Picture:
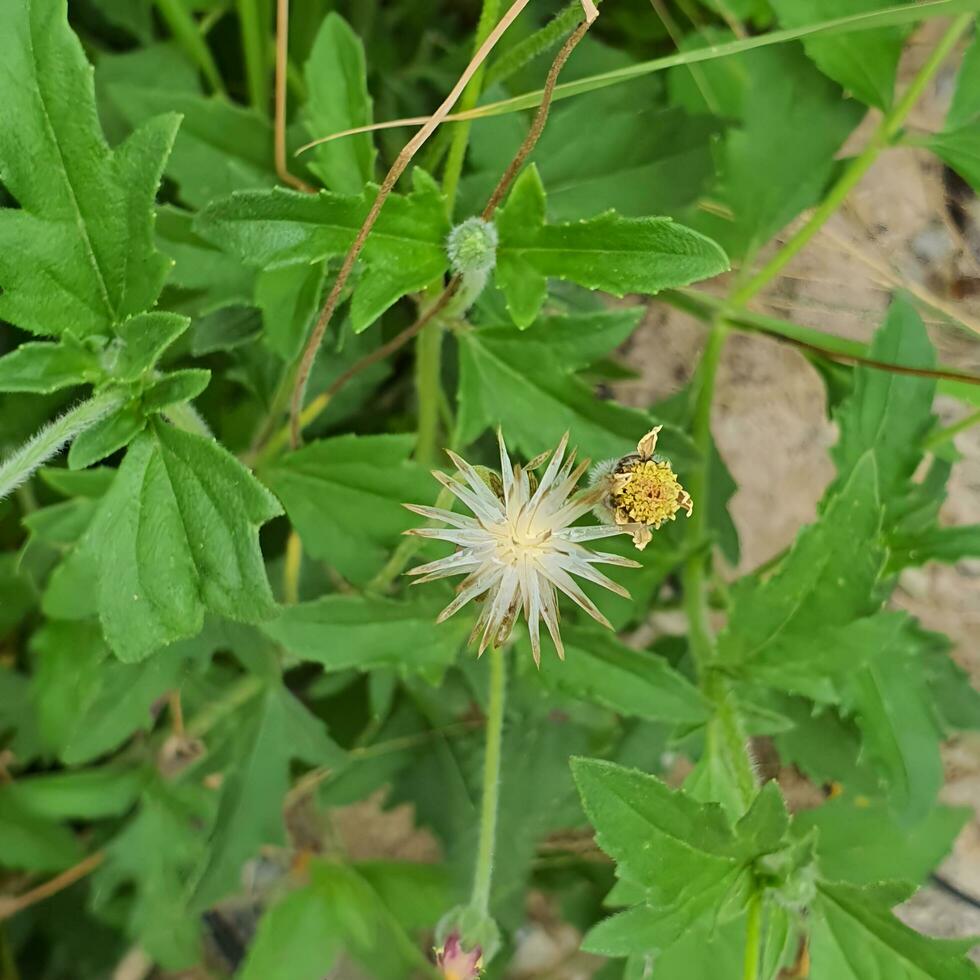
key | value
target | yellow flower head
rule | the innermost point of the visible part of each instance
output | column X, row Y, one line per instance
column 644, row 491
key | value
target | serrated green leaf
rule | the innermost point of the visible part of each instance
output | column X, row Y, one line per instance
column 634, row 683
column 890, row 700
column 889, row 414
column 167, row 550
column 404, row 252
column 107, row 436
column 144, row 339
column 683, row 854
column 343, row 632
column 345, row 495
column 250, row 809
column 611, row 253
column 959, row 142
column 854, row 936
column 788, row 625
column 79, row 253
column 525, row 384
column 864, row 63
column 43, row 367
column 175, row 388
column 862, row 843
column 154, row 856
column 87, row 703
column 338, row 99
column 220, row 147
column 780, row 158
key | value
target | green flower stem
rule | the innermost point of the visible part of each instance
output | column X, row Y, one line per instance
column 483, row 874
column 886, row 132
column 19, row 466
column 254, row 27
column 951, row 431
column 185, row 31
column 753, row 939
column 726, row 738
column 471, row 95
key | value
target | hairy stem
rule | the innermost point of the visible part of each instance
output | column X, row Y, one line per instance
column 428, row 387
column 886, row 132
column 483, row 874
column 21, row 464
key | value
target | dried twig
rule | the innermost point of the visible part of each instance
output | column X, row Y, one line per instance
column 11, row 905
column 391, row 178
column 279, row 130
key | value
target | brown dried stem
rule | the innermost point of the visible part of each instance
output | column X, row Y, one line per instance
column 279, row 128
column 10, row 906
column 387, row 186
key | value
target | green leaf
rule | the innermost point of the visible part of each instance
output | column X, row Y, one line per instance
column 178, row 534
column 154, row 857
column 891, row 703
column 959, row 142
column 343, row 632
column 862, row 843
column 79, row 253
column 781, row 157
column 945, row 544
column 144, row 339
column 272, row 732
column 854, row 936
column 955, row 700
column 403, row 254
column 338, row 99
column 683, row 855
column 175, row 388
column 44, row 367
column 889, row 414
column 634, row 683
column 344, row 496
column 29, row 842
column 107, row 436
column 524, row 383
column 864, row 63
column 88, row 703
column 288, row 297
column 220, row 148
column 615, row 254
column 225, row 329
column 797, row 627
column 86, row 795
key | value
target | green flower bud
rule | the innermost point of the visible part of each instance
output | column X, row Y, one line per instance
column 472, row 247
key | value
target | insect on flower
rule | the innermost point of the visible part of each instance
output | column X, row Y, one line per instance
column 643, row 491
column 519, row 548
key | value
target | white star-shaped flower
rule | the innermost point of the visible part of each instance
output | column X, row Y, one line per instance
column 518, row 550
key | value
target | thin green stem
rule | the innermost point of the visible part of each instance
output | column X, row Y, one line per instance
column 471, row 95
column 951, row 431
column 21, row 464
column 887, row 130
column 428, row 385
column 185, row 31
column 753, row 939
column 254, row 41
column 483, row 874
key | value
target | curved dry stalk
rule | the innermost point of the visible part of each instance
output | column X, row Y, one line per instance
column 279, row 130
column 391, row 178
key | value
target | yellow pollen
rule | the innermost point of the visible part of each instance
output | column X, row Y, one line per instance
column 650, row 493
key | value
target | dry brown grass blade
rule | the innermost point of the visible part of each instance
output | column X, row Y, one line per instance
column 391, row 178
column 279, row 129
